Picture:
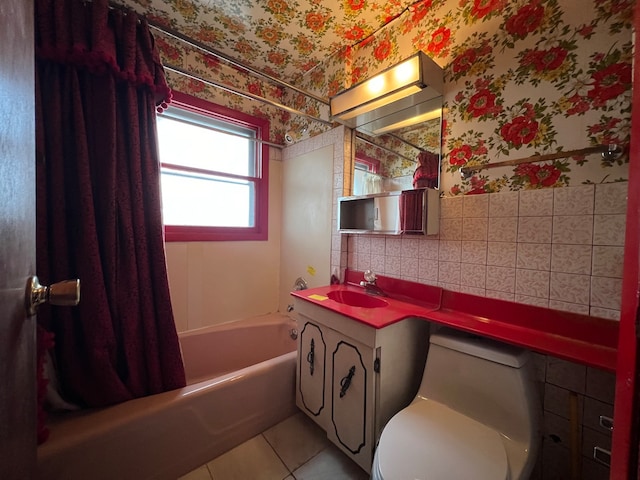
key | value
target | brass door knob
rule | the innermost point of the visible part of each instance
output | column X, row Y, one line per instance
column 65, row 293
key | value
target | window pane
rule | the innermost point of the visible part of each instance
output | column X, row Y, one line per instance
column 206, row 201
column 193, row 145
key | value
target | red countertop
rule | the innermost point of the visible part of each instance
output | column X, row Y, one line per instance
column 579, row 338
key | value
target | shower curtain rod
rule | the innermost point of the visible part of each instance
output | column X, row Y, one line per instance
column 384, row 148
column 194, row 43
column 397, row 137
column 609, row 152
column 250, row 96
column 226, row 132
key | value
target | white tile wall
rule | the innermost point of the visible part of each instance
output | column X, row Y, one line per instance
column 451, row 207
column 502, row 254
column 535, row 256
column 611, row 198
column 607, row 261
column 503, row 204
column 450, row 228
column 532, row 282
column 573, row 201
column 475, row 206
column 501, row 279
column 534, row 229
column 559, row 248
column 474, row 252
column 502, row 229
column 571, row 258
column 535, row 203
column 573, row 230
column 609, row 229
column 450, row 251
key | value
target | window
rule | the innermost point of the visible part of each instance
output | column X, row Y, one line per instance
column 366, row 175
column 214, row 172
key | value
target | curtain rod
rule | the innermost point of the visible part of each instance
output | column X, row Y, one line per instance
column 248, row 95
column 397, row 137
column 386, row 149
column 609, row 152
column 194, row 43
column 220, row 130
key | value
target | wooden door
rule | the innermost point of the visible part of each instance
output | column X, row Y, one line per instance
column 17, row 240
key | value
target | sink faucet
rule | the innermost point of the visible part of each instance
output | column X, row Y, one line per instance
column 369, row 284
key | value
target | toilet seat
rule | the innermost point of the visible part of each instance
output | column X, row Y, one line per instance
column 430, row 441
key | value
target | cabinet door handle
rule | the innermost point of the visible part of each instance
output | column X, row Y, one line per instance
column 606, row 423
column 602, row 456
column 311, row 356
column 345, row 383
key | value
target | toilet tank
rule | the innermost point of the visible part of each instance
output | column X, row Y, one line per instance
column 486, row 380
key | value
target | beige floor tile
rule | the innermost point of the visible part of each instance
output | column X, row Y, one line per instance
column 296, row 440
column 254, row 459
column 330, row 464
column 201, row 473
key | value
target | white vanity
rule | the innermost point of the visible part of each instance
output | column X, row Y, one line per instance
column 372, row 348
column 351, row 378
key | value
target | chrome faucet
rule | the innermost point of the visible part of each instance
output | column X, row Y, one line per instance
column 369, row 284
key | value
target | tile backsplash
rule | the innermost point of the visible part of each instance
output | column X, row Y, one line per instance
column 560, row 248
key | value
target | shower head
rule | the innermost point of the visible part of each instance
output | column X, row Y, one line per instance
column 295, row 134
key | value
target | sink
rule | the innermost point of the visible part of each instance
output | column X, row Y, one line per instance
column 356, row 299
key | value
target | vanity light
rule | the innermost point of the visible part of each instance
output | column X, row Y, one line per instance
column 425, row 117
column 390, row 85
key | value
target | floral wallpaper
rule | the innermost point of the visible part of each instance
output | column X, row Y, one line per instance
column 208, row 67
column 284, row 38
column 522, row 77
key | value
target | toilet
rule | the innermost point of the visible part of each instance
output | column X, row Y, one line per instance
column 476, row 415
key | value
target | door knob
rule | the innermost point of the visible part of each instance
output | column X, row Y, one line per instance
column 66, row 293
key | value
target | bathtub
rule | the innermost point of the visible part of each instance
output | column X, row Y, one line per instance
column 240, row 381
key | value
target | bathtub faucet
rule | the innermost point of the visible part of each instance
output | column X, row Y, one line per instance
column 369, row 284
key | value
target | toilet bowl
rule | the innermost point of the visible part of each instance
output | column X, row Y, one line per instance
column 476, row 416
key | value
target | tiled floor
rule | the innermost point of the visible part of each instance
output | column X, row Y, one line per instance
column 294, row 449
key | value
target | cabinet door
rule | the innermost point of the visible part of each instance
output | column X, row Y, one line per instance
column 351, row 390
column 311, row 381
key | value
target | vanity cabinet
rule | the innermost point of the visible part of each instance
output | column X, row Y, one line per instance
column 352, row 378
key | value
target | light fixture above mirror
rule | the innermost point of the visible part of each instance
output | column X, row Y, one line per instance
column 406, row 93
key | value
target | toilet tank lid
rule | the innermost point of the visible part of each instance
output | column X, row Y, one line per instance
column 481, row 347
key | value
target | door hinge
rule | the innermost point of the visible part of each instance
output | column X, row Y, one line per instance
column 376, row 365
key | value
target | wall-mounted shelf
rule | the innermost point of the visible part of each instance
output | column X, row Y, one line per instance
column 391, row 213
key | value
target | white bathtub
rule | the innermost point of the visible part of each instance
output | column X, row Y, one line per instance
column 241, row 381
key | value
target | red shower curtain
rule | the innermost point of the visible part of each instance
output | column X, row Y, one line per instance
column 98, row 82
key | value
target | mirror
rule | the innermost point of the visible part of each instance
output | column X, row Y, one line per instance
column 386, row 163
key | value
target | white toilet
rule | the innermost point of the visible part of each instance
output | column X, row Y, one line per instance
column 476, row 416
